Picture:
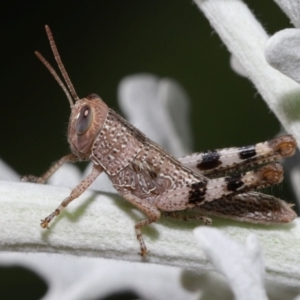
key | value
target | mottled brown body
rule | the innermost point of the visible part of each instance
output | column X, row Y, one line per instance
column 136, row 164
column 156, row 182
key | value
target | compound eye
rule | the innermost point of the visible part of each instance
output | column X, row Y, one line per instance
column 84, row 120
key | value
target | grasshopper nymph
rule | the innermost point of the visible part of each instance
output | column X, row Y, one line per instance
column 157, row 183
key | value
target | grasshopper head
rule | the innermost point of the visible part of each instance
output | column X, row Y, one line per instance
column 87, row 114
column 86, row 120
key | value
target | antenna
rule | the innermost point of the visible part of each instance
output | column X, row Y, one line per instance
column 55, row 75
column 60, row 64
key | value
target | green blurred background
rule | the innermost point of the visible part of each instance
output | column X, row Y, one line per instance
column 100, row 42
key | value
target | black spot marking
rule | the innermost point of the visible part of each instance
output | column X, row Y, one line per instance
column 247, row 152
column 234, row 182
column 135, row 167
column 153, row 174
column 197, row 192
column 210, row 160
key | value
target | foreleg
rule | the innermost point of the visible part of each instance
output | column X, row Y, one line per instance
column 42, row 179
column 76, row 192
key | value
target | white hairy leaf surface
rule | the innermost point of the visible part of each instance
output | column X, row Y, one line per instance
column 247, row 277
column 283, row 52
column 245, row 38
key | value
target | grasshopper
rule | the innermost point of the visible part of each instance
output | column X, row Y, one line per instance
column 158, row 184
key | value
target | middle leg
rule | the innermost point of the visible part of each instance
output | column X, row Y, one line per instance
column 147, row 208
